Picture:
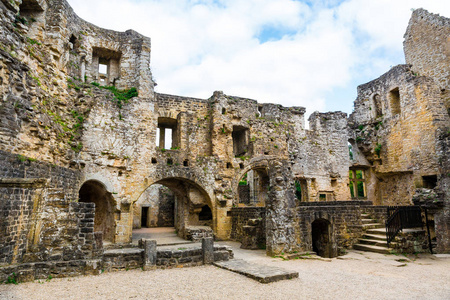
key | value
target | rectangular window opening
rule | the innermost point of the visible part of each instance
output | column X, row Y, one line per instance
column 429, row 182
column 394, row 96
column 102, row 69
column 357, row 184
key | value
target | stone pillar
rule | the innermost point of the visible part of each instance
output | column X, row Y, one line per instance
column 208, row 250
column 149, row 253
column 282, row 226
column 162, row 137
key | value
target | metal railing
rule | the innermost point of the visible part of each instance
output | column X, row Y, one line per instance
column 402, row 217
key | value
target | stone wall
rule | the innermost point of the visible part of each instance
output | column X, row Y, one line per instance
column 240, row 218
column 394, row 124
column 16, row 208
column 427, row 48
column 147, row 258
column 344, row 219
column 411, row 241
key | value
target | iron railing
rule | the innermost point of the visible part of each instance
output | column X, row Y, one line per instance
column 402, row 217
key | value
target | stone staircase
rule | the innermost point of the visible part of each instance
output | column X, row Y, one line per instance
column 374, row 238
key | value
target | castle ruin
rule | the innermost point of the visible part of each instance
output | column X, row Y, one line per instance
column 90, row 151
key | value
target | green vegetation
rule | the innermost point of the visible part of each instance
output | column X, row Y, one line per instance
column 23, row 158
column 350, row 152
column 12, row 279
column 378, row 125
column 298, row 190
column 120, row 96
column 33, row 42
column 378, row 149
column 243, row 181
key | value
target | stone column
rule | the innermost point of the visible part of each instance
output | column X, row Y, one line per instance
column 149, row 253
column 282, row 226
column 208, row 250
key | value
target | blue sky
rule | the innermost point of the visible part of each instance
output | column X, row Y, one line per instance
column 295, row 53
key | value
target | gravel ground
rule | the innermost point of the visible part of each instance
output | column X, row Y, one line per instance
column 357, row 275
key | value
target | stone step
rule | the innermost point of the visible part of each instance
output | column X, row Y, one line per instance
column 373, row 242
column 380, row 237
column 378, row 231
column 372, row 248
column 366, row 216
column 368, row 221
column 372, row 226
column 261, row 273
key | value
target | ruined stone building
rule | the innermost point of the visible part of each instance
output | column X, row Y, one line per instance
column 90, row 151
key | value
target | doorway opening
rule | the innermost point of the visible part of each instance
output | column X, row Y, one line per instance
column 95, row 192
column 144, row 216
column 321, row 241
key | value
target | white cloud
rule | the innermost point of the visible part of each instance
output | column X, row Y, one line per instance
column 199, row 46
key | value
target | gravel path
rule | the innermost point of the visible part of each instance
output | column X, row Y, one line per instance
column 357, row 275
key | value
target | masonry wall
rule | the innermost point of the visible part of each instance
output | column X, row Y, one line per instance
column 345, row 223
column 399, row 144
column 427, row 47
column 42, row 222
column 240, row 218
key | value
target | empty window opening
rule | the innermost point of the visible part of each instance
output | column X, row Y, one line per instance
column 394, row 96
column 266, row 153
column 144, row 216
column 325, row 196
column 105, row 66
column 154, row 161
column 240, row 140
column 350, row 151
column 253, row 188
column 378, row 106
column 333, row 182
column 30, row 5
column 229, row 165
column 298, row 190
column 169, row 161
column 205, row 214
column 186, row 163
column 224, row 111
column 301, row 190
column 73, row 43
column 241, row 165
column 259, row 112
column 103, row 69
column 357, row 183
column 429, row 182
column 167, row 133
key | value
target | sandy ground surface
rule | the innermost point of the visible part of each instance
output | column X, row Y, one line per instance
column 357, row 275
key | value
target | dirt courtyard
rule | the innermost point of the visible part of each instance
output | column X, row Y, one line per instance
column 356, row 275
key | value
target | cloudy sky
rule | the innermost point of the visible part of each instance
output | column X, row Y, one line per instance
column 295, row 53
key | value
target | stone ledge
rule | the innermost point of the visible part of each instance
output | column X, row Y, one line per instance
column 24, row 182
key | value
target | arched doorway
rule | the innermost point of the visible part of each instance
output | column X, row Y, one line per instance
column 154, row 208
column 321, row 237
column 95, row 192
column 172, row 202
column 253, row 188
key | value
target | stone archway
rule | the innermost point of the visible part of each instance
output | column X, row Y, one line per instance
column 321, row 237
column 192, row 205
column 95, row 192
column 253, row 186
